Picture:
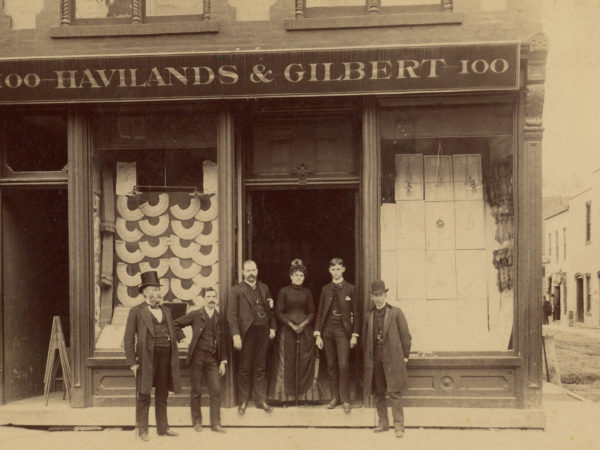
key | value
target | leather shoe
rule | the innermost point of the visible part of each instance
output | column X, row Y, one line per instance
column 144, row 436
column 380, row 429
column 347, row 408
column 198, row 427
column 242, row 408
column 264, row 406
column 399, row 433
column 333, row 403
column 168, row 432
column 218, row 429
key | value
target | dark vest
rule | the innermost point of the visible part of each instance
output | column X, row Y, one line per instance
column 207, row 341
column 378, row 319
column 334, row 315
column 260, row 315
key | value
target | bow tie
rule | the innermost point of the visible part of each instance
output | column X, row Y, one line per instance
column 157, row 306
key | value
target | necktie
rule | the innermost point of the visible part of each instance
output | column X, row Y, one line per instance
column 155, row 306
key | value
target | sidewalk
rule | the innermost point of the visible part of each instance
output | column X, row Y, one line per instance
column 570, row 424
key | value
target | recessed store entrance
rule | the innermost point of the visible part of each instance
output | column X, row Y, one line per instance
column 35, row 274
column 314, row 225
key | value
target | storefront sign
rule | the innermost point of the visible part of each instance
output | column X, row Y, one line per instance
column 261, row 74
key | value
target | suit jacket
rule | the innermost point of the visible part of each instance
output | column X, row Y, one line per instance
column 240, row 310
column 138, row 343
column 349, row 305
column 198, row 320
column 396, row 347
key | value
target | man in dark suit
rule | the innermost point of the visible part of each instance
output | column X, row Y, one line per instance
column 153, row 358
column 337, row 330
column 207, row 356
column 252, row 324
column 387, row 348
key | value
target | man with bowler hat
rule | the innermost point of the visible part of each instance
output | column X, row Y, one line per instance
column 207, row 357
column 386, row 353
column 252, row 324
column 151, row 350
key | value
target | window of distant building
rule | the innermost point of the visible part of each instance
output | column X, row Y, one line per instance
column 556, row 243
column 588, row 293
column 588, row 222
column 549, row 244
column 136, row 10
column 564, row 243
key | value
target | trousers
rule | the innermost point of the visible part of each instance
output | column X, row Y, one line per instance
column 379, row 393
column 205, row 365
column 253, row 364
column 336, row 344
column 161, row 372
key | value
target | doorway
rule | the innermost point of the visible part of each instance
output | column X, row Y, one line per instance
column 556, row 314
column 579, row 283
column 314, row 225
column 35, row 276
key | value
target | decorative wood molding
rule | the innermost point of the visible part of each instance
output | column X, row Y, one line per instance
column 206, row 11
column 373, row 6
column 65, row 12
column 136, row 11
column 302, row 172
column 534, row 105
column 299, row 9
column 80, row 255
column 447, row 5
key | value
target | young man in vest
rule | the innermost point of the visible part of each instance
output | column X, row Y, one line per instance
column 207, row 357
column 337, row 330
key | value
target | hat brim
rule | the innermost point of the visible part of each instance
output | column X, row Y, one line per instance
column 379, row 291
column 142, row 286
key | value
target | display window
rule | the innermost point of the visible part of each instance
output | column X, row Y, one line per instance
column 447, row 224
column 155, row 208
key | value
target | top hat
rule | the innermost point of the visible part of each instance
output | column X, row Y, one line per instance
column 378, row 287
column 149, row 279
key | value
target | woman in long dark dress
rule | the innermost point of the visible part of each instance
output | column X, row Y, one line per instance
column 294, row 369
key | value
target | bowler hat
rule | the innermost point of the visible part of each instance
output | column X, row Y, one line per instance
column 149, row 279
column 378, row 287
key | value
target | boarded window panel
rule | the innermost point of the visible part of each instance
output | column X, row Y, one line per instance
column 409, row 2
column 411, row 274
column 467, row 177
column 441, row 274
column 410, row 224
column 439, row 225
column 469, row 225
column 409, row 177
column 389, row 272
column 321, row 3
column 174, row 7
column 415, row 312
column 444, row 325
column 388, row 227
column 471, row 273
column 438, row 178
column 94, row 9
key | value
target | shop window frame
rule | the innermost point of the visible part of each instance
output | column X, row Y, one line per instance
column 372, row 14
column 10, row 177
column 138, row 24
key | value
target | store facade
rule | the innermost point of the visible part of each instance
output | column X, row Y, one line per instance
column 415, row 162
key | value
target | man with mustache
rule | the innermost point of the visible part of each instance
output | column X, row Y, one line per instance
column 252, row 324
column 207, row 356
column 151, row 350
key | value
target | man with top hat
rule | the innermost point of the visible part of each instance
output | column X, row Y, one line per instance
column 387, row 346
column 207, row 357
column 151, row 350
column 252, row 324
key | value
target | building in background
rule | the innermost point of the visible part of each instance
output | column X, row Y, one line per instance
column 186, row 136
column 555, row 252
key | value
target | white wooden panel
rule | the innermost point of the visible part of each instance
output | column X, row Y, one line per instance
column 441, row 274
column 439, row 225
column 438, row 178
column 471, row 270
column 467, row 177
column 389, row 272
column 415, row 312
column 410, row 225
column 409, row 177
column 411, row 274
column 443, row 324
column 469, row 224
column 388, row 227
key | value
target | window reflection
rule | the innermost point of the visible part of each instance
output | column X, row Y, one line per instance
column 174, row 8
column 98, row 9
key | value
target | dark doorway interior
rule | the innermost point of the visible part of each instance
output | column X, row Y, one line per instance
column 313, row 225
column 579, row 282
column 556, row 306
column 35, row 264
